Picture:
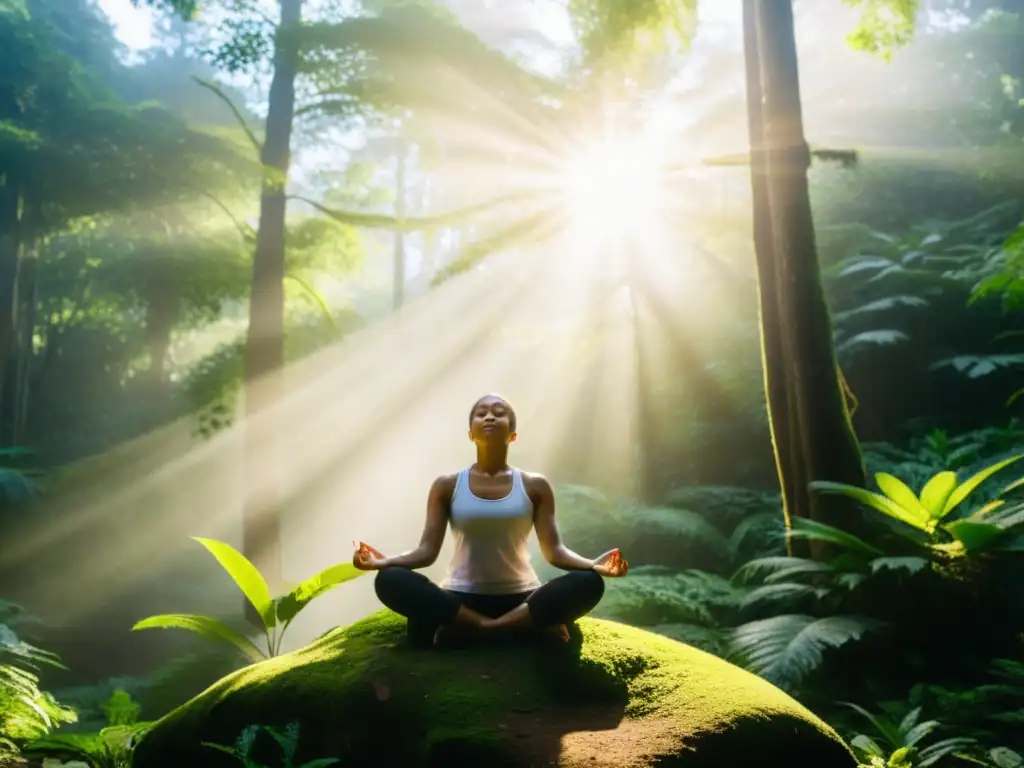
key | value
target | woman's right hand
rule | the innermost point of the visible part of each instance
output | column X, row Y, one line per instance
column 366, row 558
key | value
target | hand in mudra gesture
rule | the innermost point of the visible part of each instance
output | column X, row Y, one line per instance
column 366, row 558
column 612, row 564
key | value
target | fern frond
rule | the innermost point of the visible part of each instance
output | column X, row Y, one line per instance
column 761, row 533
column 881, row 305
column 785, row 594
column 786, row 649
column 644, row 521
column 774, row 569
column 877, row 338
column 690, row 597
column 975, row 366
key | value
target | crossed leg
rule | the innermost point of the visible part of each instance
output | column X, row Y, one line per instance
column 428, row 607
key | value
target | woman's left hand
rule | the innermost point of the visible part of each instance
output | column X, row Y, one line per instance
column 611, row 564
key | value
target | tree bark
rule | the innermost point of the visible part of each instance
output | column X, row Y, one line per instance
column 162, row 296
column 28, row 279
column 10, row 259
column 773, row 354
column 800, row 348
column 264, row 347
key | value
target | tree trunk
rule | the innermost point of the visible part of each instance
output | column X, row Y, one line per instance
column 823, row 445
column 10, row 258
column 399, row 277
column 773, row 358
column 29, row 287
column 161, row 313
column 264, row 346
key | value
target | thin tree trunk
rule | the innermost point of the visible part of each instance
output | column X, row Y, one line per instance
column 161, row 313
column 29, row 280
column 10, row 258
column 264, row 347
column 398, row 297
column 773, row 352
column 828, row 446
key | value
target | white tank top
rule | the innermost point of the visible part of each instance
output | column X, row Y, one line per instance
column 491, row 557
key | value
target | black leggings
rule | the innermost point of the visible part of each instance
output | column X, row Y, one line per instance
column 427, row 606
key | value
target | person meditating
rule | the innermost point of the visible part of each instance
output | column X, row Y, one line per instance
column 491, row 587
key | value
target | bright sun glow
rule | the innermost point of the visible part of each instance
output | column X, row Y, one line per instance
column 613, row 187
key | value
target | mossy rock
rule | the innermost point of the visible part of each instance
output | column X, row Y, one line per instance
column 616, row 695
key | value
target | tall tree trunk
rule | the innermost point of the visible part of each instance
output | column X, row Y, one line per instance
column 773, row 353
column 10, row 258
column 827, row 447
column 264, row 345
column 398, row 297
column 29, row 288
column 162, row 296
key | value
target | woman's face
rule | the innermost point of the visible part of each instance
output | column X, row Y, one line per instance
column 491, row 421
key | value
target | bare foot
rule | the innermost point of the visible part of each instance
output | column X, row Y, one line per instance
column 450, row 635
column 559, row 633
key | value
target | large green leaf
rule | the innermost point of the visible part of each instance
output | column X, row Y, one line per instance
column 246, row 576
column 967, row 486
column 882, row 725
column 206, row 627
column 936, row 493
column 805, row 528
column 1018, row 483
column 899, row 493
column 290, row 605
column 876, row 501
column 974, row 536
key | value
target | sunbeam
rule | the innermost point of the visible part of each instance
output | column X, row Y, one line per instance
column 613, row 188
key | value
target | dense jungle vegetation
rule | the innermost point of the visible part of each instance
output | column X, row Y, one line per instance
column 180, row 222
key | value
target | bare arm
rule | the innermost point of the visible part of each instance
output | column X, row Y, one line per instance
column 433, row 530
column 551, row 544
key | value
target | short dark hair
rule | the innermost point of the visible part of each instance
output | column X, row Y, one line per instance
column 508, row 405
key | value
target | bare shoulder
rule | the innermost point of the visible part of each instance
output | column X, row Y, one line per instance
column 536, row 483
column 444, row 484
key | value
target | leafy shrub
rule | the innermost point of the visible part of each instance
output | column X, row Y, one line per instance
column 277, row 613
column 26, row 711
column 708, row 528
column 287, row 740
column 156, row 693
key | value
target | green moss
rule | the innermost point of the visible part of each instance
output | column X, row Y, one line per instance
column 361, row 694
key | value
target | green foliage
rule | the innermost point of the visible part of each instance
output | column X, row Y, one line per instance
column 111, row 747
column 885, row 25
column 19, row 480
column 287, row 740
column 693, row 606
column 988, row 528
column 711, row 528
column 1004, row 274
column 26, row 711
column 212, row 386
column 786, row 649
column 890, row 279
column 903, row 742
column 121, row 709
column 276, row 613
column 155, row 693
column 610, row 31
column 937, row 451
column 83, row 151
